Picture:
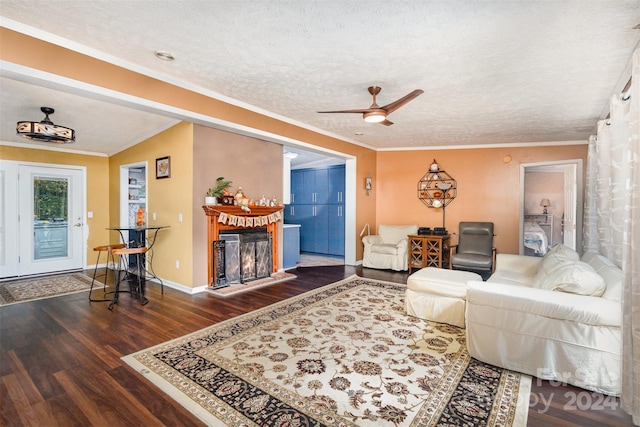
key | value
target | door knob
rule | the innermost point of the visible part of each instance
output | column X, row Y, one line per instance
column 78, row 224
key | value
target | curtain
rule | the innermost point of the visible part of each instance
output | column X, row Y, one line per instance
column 631, row 262
column 612, row 219
column 608, row 182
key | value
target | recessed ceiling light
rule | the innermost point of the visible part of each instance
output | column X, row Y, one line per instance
column 165, row 56
column 359, row 133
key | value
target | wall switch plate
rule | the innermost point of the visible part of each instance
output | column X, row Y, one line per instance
column 153, row 216
column 89, row 214
column 179, row 217
column 177, row 264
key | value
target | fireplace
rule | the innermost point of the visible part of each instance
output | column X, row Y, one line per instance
column 243, row 255
column 223, row 222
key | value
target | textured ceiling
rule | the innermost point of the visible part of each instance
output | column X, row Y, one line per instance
column 493, row 72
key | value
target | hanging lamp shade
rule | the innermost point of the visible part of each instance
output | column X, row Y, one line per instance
column 45, row 130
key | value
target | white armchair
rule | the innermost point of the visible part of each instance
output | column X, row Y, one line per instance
column 389, row 248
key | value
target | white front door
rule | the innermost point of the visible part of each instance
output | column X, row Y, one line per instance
column 43, row 226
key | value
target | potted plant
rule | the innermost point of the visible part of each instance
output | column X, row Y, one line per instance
column 216, row 191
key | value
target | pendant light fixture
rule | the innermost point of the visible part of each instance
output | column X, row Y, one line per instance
column 45, row 130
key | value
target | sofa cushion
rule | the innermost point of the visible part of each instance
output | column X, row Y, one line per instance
column 392, row 234
column 574, row 277
column 499, row 297
column 524, row 265
column 563, row 251
column 440, row 281
column 557, row 256
column 511, row 278
column 385, row 249
column 612, row 275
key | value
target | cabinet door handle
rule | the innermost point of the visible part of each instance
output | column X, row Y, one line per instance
column 293, row 197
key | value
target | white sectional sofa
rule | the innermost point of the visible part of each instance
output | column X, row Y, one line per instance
column 556, row 318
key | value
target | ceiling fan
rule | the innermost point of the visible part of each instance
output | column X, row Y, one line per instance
column 376, row 114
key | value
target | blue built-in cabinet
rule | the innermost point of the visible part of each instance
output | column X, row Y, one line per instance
column 317, row 204
column 291, row 245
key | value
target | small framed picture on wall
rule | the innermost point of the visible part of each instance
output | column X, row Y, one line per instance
column 163, row 167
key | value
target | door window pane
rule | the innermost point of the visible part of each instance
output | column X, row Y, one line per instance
column 50, row 217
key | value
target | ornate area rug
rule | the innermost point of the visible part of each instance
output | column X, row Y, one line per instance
column 342, row 355
column 24, row 290
column 242, row 287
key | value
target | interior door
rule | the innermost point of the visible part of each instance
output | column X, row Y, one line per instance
column 570, row 199
column 48, row 217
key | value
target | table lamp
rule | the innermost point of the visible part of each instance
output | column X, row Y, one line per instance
column 544, row 203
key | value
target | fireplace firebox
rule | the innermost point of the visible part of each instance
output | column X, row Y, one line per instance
column 241, row 256
column 230, row 220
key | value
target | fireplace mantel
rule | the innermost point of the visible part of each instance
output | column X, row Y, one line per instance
column 215, row 210
column 213, row 228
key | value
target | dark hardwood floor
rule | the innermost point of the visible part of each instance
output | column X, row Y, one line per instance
column 60, row 357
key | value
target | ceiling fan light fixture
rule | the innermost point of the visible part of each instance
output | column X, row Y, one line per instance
column 45, row 130
column 375, row 116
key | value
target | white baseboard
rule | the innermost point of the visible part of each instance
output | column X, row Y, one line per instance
column 180, row 287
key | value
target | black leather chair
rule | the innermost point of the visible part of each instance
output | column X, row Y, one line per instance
column 474, row 250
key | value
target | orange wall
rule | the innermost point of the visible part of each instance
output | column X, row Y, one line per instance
column 488, row 188
column 97, row 176
column 167, row 197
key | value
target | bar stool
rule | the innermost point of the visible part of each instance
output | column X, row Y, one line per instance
column 109, row 250
column 140, row 273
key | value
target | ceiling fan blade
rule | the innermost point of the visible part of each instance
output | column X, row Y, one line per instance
column 361, row 111
column 390, row 108
column 386, row 122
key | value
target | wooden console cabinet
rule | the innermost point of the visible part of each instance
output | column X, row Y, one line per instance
column 427, row 250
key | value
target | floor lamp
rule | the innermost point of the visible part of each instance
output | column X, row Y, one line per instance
column 442, row 201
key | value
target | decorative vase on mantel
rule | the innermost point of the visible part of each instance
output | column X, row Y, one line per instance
column 210, row 200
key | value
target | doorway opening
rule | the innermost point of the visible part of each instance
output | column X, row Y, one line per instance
column 133, row 192
column 551, row 196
